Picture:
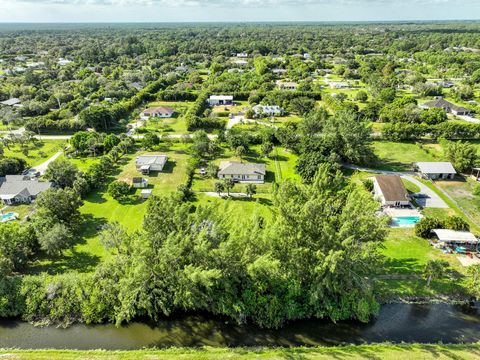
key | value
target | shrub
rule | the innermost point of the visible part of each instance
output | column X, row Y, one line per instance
column 119, row 190
column 368, row 184
column 456, row 223
column 424, row 227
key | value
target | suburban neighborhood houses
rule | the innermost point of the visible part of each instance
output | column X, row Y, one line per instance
column 247, row 187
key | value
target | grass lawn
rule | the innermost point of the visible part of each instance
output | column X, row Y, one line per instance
column 36, row 153
column 454, row 208
column 462, row 193
column 237, row 107
column 82, row 163
column 406, row 256
column 350, row 352
column 397, row 156
column 100, row 208
column 411, row 187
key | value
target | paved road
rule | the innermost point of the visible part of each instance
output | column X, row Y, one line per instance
column 432, row 200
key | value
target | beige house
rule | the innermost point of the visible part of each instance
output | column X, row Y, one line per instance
column 243, row 173
column 159, row 111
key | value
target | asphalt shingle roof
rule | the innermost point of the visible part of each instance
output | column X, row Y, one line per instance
column 238, row 168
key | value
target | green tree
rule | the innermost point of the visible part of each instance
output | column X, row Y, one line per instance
column 456, row 223
column 361, row 96
column 110, row 141
column 240, row 151
column 267, row 148
column 228, row 185
column 62, row 172
column 17, row 244
column 462, row 155
column 219, row 187
column 424, row 227
column 150, row 140
column 251, row 190
column 435, row 269
column 473, row 280
column 212, row 170
column 57, row 206
column 119, row 190
column 53, row 240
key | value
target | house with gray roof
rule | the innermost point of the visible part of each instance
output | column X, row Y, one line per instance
column 436, row 170
column 242, row 172
column 439, row 102
column 147, row 163
column 21, row 189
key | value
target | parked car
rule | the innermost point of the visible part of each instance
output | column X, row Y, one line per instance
column 203, row 171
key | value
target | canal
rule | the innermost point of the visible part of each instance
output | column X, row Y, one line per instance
column 395, row 323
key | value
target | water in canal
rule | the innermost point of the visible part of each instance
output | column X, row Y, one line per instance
column 395, row 323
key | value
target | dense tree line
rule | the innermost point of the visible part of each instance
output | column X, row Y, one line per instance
column 312, row 255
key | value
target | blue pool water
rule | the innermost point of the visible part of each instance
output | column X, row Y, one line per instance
column 405, row 221
column 8, row 217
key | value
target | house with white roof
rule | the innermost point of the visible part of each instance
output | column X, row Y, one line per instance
column 436, row 170
column 215, row 100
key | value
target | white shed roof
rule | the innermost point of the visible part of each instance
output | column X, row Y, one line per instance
column 221, row 97
column 436, row 167
column 465, row 237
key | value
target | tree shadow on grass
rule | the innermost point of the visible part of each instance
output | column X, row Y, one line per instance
column 96, row 197
column 167, row 169
column 402, row 266
column 74, row 261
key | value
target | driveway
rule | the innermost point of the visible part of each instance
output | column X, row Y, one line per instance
column 431, row 201
column 43, row 166
column 237, row 119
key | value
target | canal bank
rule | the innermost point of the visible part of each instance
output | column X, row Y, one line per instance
column 396, row 323
column 379, row 351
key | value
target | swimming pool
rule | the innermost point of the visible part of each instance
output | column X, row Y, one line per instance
column 405, row 221
column 8, row 217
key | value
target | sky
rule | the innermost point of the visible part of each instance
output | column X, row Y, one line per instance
column 235, row 10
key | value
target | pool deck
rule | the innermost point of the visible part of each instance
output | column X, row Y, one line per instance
column 398, row 212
